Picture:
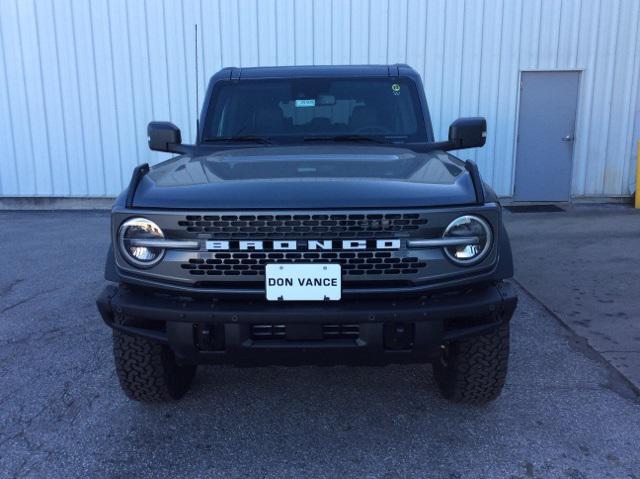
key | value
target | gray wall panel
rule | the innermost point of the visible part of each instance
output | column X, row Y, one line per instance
column 79, row 80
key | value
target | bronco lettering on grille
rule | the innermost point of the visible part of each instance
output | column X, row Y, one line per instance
column 310, row 245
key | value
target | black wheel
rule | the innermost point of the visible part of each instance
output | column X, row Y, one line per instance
column 473, row 370
column 148, row 371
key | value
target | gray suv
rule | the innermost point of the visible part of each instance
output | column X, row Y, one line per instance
column 314, row 221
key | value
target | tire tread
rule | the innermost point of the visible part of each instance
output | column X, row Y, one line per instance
column 148, row 371
column 477, row 368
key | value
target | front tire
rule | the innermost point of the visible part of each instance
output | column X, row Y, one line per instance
column 148, row 371
column 473, row 370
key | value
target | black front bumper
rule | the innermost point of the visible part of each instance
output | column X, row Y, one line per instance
column 201, row 330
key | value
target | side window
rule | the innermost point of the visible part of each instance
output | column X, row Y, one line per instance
column 223, row 119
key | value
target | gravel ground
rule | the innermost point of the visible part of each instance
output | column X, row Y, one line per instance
column 563, row 413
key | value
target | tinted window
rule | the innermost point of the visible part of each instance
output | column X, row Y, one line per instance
column 293, row 109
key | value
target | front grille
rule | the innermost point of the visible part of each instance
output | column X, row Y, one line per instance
column 229, row 265
column 329, row 331
column 252, row 263
column 313, row 226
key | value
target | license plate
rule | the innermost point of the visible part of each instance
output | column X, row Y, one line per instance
column 303, row 282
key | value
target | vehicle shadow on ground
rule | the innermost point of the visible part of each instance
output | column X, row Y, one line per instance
column 390, row 421
column 301, row 417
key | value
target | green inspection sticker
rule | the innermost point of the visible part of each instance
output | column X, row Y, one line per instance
column 395, row 87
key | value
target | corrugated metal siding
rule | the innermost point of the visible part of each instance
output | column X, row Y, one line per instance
column 79, row 80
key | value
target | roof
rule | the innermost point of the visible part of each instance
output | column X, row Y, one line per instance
column 306, row 71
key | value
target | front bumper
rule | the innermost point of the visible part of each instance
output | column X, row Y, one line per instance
column 388, row 330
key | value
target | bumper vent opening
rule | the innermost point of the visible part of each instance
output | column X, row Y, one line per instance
column 341, row 331
column 268, row 331
column 262, row 332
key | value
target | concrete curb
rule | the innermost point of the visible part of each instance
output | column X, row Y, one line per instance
column 55, row 203
column 618, row 381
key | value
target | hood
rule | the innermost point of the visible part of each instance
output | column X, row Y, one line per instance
column 316, row 177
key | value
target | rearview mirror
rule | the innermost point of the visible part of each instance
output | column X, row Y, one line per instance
column 163, row 136
column 326, row 100
column 468, row 132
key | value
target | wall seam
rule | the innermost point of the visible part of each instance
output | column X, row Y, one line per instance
column 516, row 115
column 146, row 30
column 95, row 87
column 166, row 59
column 26, row 99
column 220, row 34
column 187, row 81
column 634, row 110
column 461, row 70
column 62, row 107
column 80, row 108
column 134, row 109
column 115, row 99
column 616, row 39
column 45, row 112
column 444, row 37
column 10, row 110
column 589, row 125
column 555, row 63
column 257, row 11
column 497, row 105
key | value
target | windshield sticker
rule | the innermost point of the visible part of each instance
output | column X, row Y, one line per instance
column 395, row 88
column 305, row 103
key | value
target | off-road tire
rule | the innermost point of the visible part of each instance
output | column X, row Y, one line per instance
column 473, row 370
column 148, row 371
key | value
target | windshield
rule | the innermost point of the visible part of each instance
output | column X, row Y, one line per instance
column 384, row 110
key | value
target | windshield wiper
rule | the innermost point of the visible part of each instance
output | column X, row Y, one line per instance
column 247, row 138
column 347, row 138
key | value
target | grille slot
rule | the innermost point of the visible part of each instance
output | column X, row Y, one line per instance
column 303, row 226
column 329, row 331
column 252, row 263
column 268, row 331
column 341, row 331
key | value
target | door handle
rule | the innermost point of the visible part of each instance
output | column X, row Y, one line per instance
column 567, row 138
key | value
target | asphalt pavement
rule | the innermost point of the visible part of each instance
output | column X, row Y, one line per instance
column 565, row 412
column 584, row 265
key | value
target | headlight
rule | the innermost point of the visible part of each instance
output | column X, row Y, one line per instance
column 136, row 237
column 470, row 239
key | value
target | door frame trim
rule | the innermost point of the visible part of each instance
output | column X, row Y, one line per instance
column 516, row 130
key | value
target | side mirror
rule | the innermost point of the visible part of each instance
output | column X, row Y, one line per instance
column 163, row 136
column 468, row 132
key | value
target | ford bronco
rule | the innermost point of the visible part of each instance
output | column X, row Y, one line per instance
column 315, row 220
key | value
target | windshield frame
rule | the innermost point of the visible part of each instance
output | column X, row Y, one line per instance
column 418, row 102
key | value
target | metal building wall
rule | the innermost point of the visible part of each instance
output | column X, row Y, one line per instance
column 79, row 80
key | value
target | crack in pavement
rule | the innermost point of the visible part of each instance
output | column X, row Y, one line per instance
column 34, row 336
column 28, row 299
column 634, row 351
column 9, row 288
